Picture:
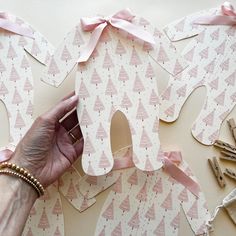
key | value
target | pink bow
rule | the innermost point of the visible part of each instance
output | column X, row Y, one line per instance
column 228, row 17
column 9, row 25
column 121, row 20
column 170, row 161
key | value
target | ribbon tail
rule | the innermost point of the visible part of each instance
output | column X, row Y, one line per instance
column 15, row 28
column 133, row 29
column 181, row 177
column 215, row 20
column 89, row 48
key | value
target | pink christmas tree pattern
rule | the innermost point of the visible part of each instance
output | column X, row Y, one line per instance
column 95, row 79
column 28, row 86
column 210, row 67
column 125, row 204
column 120, row 49
column 107, row 63
column 11, row 54
column 24, row 63
column 225, row 65
column 88, row 147
column 101, row 133
column 142, row 194
column 123, row 76
column 220, row 99
column 182, row 91
column 193, row 72
column 134, row 221
column 92, row 180
column 57, row 232
column 176, row 221
column 150, row 214
column 126, row 103
column 98, row 105
column 135, row 60
column 167, row 203
column 85, row 118
column 104, row 161
column 117, row 230
column 214, row 83
column 133, row 179
column 183, row 196
column 154, row 100
column 43, row 222
column 162, row 56
column 53, row 69
column 157, row 188
column 117, row 187
column 3, row 90
column 110, row 89
column 138, row 85
column 83, row 91
column 209, row 119
column 220, row 50
column 170, row 111
column 35, row 49
column 166, row 94
column 65, row 56
column 230, row 80
column 108, row 214
column 149, row 72
column 19, row 123
column 193, row 211
column 204, row 53
column 215, row 34
column 160, row 229
column 141, row 112
column 145, row 141
column 71, row 192
column 189, row 55
column 2, row 67
column 14, row 76
column 57, row 208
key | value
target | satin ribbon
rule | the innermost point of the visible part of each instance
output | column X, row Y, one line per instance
column 9, row 25
column 170, row 161
column 228, row 17
column 121, row 20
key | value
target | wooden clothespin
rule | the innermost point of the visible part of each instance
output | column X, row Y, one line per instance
column 230, row 173
column 232, row 127
column 225, row 146
column 228, row 156
column 217, row 172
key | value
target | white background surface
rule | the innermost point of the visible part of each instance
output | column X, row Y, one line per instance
column 54, row 18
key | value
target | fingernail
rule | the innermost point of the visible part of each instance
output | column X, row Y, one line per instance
column 74, row 98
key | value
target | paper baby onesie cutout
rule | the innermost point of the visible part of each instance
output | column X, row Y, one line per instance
column 211, row 57
column 145, row 204
column 118, row 76
column 16, row 82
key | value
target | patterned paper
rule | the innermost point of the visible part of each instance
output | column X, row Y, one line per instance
column 211, row 57
column 118, row 76
column 148, row 203
column 16, row 82
column 46, row 216
column 69, row 187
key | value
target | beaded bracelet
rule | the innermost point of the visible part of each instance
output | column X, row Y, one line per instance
column 22, row 173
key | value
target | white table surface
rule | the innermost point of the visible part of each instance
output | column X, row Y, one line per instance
column 54, row 18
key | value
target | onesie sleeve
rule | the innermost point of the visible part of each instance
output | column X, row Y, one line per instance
column 64, row 58
column 185, row 28
column 195, row 208
column 38, row 46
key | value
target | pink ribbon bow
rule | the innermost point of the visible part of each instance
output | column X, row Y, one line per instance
column 170, row 161
column 9, row 25
column 228, row 17
column 121, row 20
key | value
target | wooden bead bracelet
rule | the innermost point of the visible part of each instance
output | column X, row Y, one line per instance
column 22, row 173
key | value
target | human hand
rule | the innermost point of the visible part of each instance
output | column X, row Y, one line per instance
column 48, row 148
